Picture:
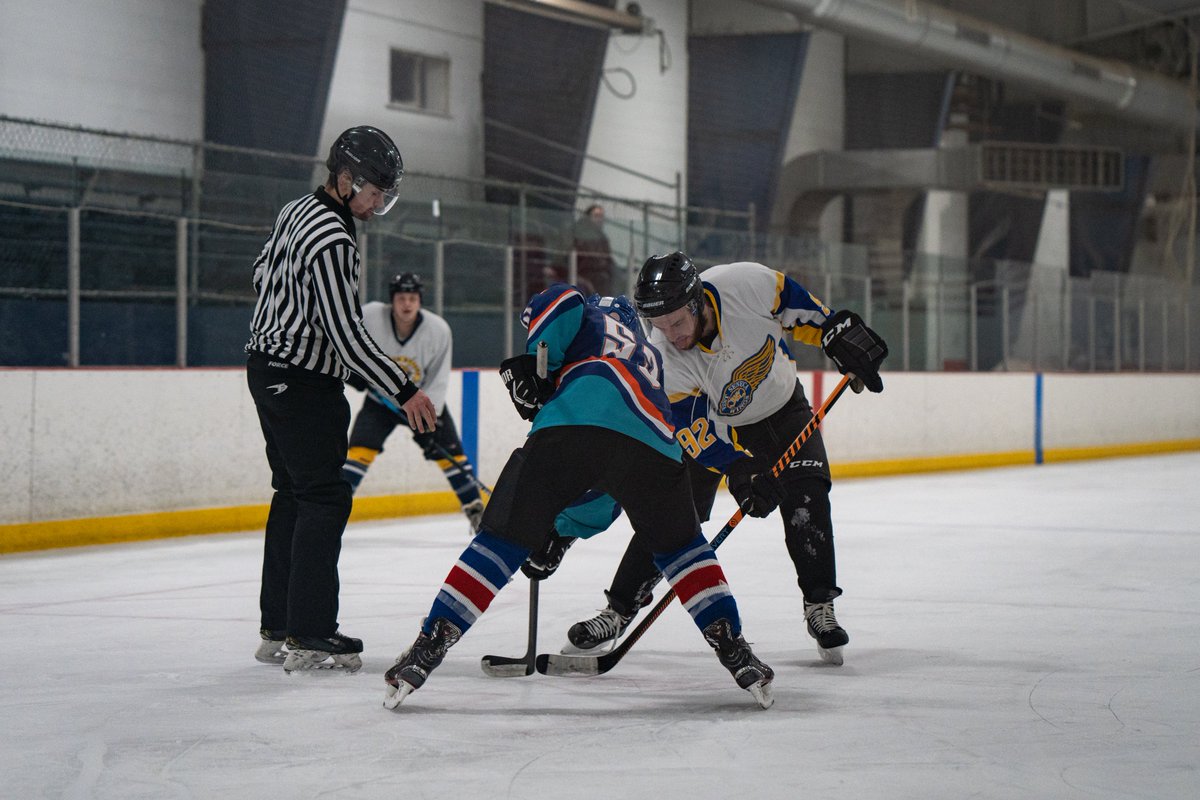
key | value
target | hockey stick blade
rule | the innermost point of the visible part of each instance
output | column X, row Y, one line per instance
column 582, row 666
column 508, row 666
column 504, row 667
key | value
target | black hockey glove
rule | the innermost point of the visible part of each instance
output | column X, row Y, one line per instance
column 542, row 563
column 757, row 495
column 854, row 348
column 527, row 391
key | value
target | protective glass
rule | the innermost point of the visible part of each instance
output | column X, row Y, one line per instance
column 390, row 195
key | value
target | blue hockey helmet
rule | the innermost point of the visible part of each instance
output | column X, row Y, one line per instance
column 619, row 308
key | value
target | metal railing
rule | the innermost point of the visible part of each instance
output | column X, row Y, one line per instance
column 119, row 250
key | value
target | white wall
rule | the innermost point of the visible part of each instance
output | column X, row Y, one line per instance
column 646, row 132
column 453, row 29
column 122, row 65
column 152, row 440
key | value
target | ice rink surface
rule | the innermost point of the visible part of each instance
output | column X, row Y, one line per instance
column 1028, row 632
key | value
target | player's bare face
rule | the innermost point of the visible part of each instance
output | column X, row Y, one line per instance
column 681, row 327
column 405, row 306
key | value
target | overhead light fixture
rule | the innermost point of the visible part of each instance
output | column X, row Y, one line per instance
column 628, row 21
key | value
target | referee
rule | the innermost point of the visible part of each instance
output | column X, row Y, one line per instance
column 306, row 338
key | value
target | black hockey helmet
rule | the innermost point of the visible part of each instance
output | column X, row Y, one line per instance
column 667, row 283
column 406, row 282
column 370, row 156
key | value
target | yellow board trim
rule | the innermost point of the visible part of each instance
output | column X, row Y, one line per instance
column 27, row 536
column 907, row 466
column 1113, row 451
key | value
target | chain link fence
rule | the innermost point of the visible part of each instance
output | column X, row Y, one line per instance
column 129, row 250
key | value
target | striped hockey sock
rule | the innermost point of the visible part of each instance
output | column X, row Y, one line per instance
column 358, row 461
column 696, row 576
column 461, row 475
column 480, row 573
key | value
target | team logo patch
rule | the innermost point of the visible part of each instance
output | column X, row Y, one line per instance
column 411, row 367
column 738, row 393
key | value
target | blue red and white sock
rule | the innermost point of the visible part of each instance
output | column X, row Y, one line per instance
column 480, row 573
column 696, row 576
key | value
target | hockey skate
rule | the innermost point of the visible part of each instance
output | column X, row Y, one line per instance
column 270, row 649
column 423, row 657
column 589, row 635
column 735, row 655
column 474, row 512
column 311, row 652
column 823, row 626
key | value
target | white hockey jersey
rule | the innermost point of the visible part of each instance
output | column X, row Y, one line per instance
column 425, row 355
column 747, row 374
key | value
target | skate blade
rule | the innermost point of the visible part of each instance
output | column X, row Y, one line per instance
column 569, row 649
column 831, row 655
column 270, row 655
column 396, row 693
column 313, row 660
column 763, row 694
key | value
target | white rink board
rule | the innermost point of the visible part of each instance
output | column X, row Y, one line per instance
column 931, row 414
column 1097, row 410
column 103, row 442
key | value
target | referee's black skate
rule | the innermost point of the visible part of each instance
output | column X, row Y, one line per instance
column 736, row 656
column 423, row 657
column 270, row 649
column 823, row 626
column 311, row 652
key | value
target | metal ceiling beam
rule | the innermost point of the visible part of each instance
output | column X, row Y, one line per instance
column 996, row 52
column 581, row 13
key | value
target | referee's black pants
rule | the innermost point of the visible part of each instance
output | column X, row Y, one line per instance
column 304, row 417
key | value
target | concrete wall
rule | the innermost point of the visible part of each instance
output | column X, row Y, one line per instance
column 449, row 144
column 111, row 454
column 640, row 117
column 123, row 65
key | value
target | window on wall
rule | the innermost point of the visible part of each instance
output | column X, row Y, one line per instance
column 420, row 82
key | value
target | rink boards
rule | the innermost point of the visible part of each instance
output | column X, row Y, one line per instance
column 99, row 455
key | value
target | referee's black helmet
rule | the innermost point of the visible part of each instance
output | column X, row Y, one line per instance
column 369, row 155
column 667, row 283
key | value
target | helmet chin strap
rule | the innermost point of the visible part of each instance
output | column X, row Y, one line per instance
column 337, row 188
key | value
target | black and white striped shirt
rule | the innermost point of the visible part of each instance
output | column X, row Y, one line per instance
column 308, row 312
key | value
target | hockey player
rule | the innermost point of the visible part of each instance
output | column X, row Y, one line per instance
column 595, row 511
column 725, row 343
column 420, row 342
column 600, row 423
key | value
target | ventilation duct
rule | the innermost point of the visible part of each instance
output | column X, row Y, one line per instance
column 995, row 52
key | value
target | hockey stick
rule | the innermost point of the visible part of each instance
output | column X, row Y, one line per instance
column 507, row 666
column 480, row 485
column 560, row 664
